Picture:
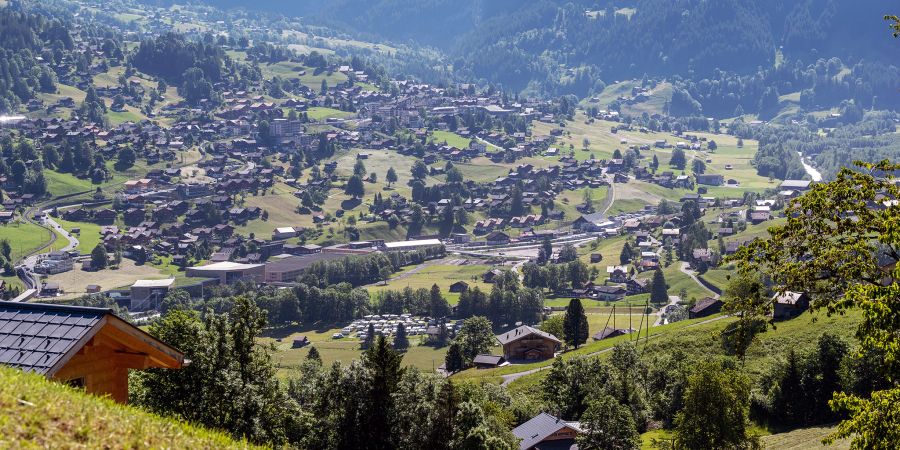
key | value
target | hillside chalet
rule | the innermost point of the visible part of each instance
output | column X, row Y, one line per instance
column 527, row 343
column 91, row 348
column 545, row 432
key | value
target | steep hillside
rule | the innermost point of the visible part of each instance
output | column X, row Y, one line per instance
column 50, row 415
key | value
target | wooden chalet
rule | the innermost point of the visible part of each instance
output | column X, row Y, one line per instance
column 527, row 343
column 91, row 348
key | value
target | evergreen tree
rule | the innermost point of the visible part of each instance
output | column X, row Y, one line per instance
column 626, row 255
column 359, row 169
column 659, row 291
column 313, row 355
column 678, row 159
column 370, row 337
column 383, row 370
column 438, row 306
column 401, row 342
column 575, row 324
column 454, row 361
column 355, row 187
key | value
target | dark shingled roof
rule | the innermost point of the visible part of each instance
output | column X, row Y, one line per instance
column 35, row 337
column 539, row 428
column 704, row 303
column 493, row 360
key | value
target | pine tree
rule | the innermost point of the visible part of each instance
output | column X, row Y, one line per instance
column 370, row 337
column 626, row 255
column 454, row 361
column 313, row 355
column 659, row 292
column 438, row 307
column 384, row 369
column 401, row 343
column 575, row 324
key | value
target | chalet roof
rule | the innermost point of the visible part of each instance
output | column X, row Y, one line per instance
column 521, row 332
column 704, row 303
column 609, row 332
column 789, row 298
column 541, row 427
column 41, row 338
column 488, row 359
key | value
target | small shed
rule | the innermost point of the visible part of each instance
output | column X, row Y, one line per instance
column 488, row 361
column 459, row 286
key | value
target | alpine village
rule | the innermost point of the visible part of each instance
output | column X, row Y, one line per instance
column 449, row 224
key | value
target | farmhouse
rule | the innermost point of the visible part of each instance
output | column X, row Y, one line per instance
column 789, row 305
column 497, row 238
column 706, row 306
column 528, row 343
column 617, row 274
column 90, row 348
column 459, row 286
column 608, row 293
column 284, row 233
column 710, row 179
column 546, row 431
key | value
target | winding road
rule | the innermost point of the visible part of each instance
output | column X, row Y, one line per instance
column 685, row 269
column 26, row 266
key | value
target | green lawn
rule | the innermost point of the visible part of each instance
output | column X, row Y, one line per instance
column 24, row 237
column 38, row 413
column 442, row 275
column 89, row 235
column 13, row 282
column 677, row 280
column 450, row 138
column 130, row 114
column 342, row 350
column 322, row 113
column 66, row 184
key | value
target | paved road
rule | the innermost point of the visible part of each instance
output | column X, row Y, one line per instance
column 610, row 199
column 73, row 241
column 687, row 271
column 27, row 274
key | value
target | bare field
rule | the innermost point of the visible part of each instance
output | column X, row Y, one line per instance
column 74, row 282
